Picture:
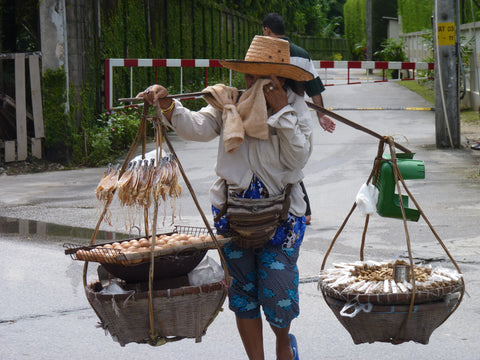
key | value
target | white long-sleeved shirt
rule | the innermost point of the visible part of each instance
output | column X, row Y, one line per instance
column 277, row 161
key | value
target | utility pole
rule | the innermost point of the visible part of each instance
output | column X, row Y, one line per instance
column 447, row 104
column 369, row 31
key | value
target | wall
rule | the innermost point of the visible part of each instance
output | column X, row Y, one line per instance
column 323, row 48
column 418, row 47
column 80, row 34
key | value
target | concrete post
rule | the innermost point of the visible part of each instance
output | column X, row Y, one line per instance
column 369, row 34
column 447, row 104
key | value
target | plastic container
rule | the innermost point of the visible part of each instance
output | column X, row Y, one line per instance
column 388, row 204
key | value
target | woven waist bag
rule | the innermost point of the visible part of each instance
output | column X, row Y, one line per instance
column 254, row 221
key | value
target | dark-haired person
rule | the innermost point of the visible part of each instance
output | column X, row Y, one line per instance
column 273, row 25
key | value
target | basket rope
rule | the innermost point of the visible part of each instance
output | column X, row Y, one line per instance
column 154, row 338
column 388, row 141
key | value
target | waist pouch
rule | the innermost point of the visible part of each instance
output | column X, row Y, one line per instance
column 254, row 221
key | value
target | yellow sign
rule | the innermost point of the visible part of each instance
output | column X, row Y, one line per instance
column 446, row 34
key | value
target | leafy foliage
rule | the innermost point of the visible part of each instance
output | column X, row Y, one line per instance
column 416, row 14
column 58, row 125
column 355, row 12
column 112, row 134
column 392, row 50
column 305, row 17
column 201, row 29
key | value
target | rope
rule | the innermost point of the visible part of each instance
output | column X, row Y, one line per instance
column 155, row 339
column 398, row 175
column 140, row 132
column 197, row 204
column 398, row 179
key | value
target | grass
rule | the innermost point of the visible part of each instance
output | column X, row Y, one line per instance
column 470, row 117
column 426, row 89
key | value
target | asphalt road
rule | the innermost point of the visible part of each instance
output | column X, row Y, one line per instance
column 44, row 313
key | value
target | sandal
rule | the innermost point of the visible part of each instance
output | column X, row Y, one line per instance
column 293, row 344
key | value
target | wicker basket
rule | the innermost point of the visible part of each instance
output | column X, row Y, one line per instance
column 390, row 316
column 179, row 313
column 434, row 294
column 383, row 322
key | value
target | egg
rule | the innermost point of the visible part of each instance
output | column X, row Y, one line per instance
column 144, row 242
column 133, row 249
column 134, row 243
column 195, row 240
column 172, row 241
column 160, row 243
column 125, row 244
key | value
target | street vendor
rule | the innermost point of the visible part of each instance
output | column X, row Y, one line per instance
column 265, row 141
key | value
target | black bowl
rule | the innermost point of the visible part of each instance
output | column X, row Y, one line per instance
column 167, row 266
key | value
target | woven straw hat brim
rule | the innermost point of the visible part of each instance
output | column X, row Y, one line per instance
column 261, row 68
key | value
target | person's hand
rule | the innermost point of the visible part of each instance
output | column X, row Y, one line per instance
column 155, row 93
column 327, row 123
column 275, row 95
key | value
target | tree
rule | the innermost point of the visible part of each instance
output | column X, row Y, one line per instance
column 304, row 17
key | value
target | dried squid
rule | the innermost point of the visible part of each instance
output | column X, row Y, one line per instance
column 108, row 183
column 123, row 184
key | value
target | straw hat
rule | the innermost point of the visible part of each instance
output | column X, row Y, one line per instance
column 268, row 56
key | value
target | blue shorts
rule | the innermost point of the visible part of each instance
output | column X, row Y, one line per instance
column 266, row 278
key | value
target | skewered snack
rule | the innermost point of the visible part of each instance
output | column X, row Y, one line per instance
column 175, row 188
column 142, row 181
column 370, row 277
column 107, row 184
column 123, row 183
column 132, row 189
column 143, row 196
column 164, row 179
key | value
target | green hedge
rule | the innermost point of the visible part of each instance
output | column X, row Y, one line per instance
column 161, row 29
column 172, row 29
column 416, row 15
column 355, row 15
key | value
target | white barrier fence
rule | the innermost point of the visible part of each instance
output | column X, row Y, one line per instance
column 110, row 64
